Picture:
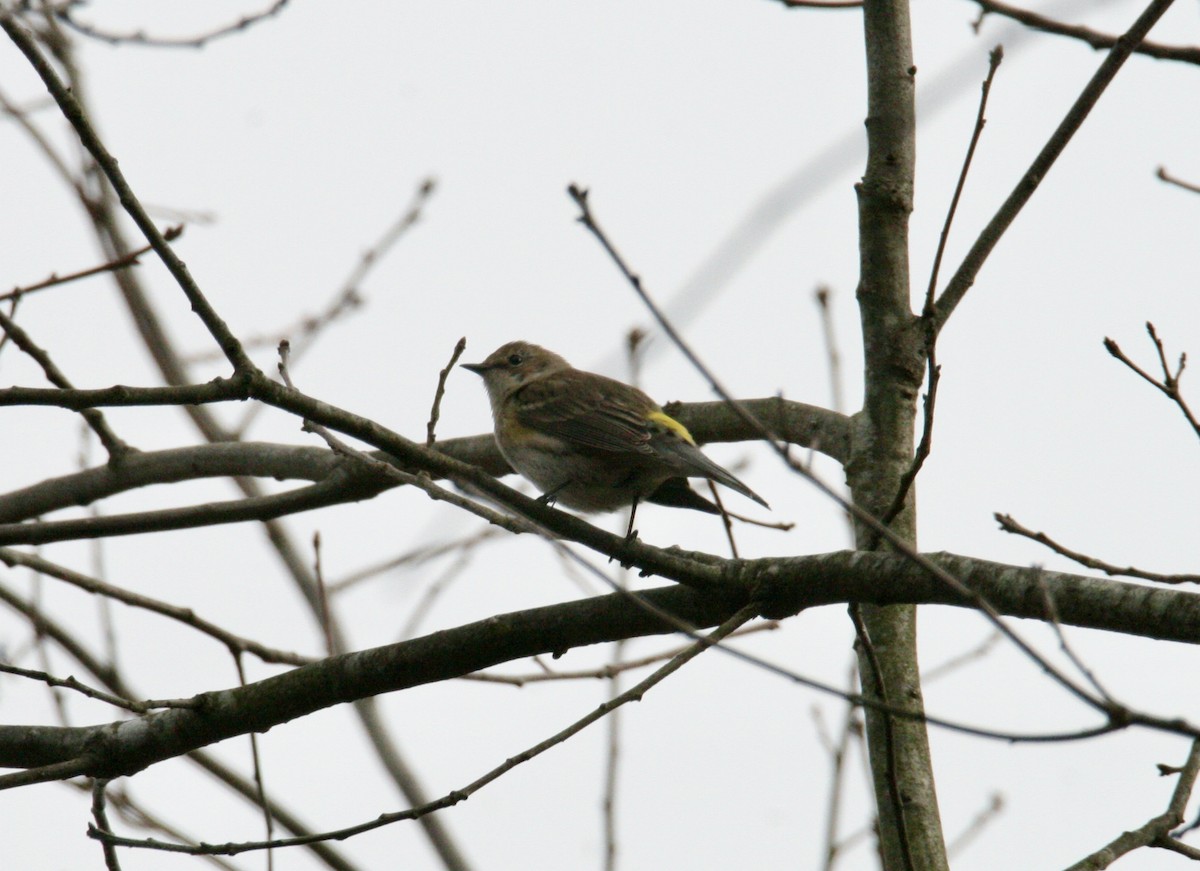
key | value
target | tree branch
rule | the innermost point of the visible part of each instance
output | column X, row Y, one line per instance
column 784, row 586
column 967, row 272
column 1094, row 38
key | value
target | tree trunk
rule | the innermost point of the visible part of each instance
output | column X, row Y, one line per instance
column 910, row 832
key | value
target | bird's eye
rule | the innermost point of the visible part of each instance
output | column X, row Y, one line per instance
column 515, row 359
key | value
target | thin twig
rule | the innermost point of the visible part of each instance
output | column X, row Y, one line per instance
column 113, row 444
column 130, row 259
column 1157, row 831
column 129, row 810
column 892, row 777
column 101, row 821
column 141, row 38
column 604, row 672
column 74, row 113
column 1169, row 384
column 726, row 521
column 260, row 781
column 434, row 591
column 834, row 358
column 325, row 616
column 851, row 731
column 928, row 319
column 436, row 411
column 980, row 650
column 1052, row 615
column 235, row 643
column 1178, row 182
column 21, row 116
column 634, row 693
column 1094, row 38
column 1008, row 524
column 976, row 827
column 822, row 4
column 71, row 683
column 995, row 57
column 967, row 272
column 414, row 557
column 580, row 196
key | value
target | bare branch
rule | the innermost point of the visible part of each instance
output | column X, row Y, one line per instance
column 821, row 4
column 1169, row 384
column 100, row 817
column 130, row 259
column 1097, row 40
column 436, row 411
column 141, row 38
column 1008, row 524
column 1156, row 832
column 235, row 643
column 882, row 530
column 1178, row 182
column 71, row 683
column 965, row 276
column 634, row 693
column 95, row 419
column 74, row 113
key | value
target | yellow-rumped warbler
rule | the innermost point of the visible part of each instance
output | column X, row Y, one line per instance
column 590, row 442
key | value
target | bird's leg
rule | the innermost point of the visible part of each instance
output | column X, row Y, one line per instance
column 551, row 496
column 631, row 533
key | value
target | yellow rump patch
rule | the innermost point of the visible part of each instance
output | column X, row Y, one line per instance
column 664, row 419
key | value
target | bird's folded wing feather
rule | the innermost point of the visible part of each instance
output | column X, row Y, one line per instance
column 597, row 422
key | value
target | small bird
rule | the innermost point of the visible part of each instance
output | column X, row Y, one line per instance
column 589, row 442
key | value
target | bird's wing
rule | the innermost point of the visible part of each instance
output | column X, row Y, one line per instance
column 596, row 421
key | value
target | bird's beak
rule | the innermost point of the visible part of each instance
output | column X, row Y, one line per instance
column 477, row 368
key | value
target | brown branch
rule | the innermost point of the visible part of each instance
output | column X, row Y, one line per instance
column 95, row 419
column 1169, row 384
column 72, row 683
column 74, row 113
column 977, row 825
column 217, row 390
column 878, row 689
column 1008, row 524
column 928, row 320
column 603, row 672
column 634, row 693
column 436, row 411
column 1097, row 40
column 1163, row 175
column 141, row 38
column 125, row 748
column 100, row 817
column 821, row 4
column 135, row 814
column 130, row 259
column 335, row 490
column 1156, row 832
column 235, row 643
column 832, row 355
column 112, row 679
column 580, row 197
column 967, row 272
column 415, row 557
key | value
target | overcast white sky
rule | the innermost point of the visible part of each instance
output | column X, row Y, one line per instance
column 304, row 138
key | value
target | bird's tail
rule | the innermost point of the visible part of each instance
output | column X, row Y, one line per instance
column 692, row 463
